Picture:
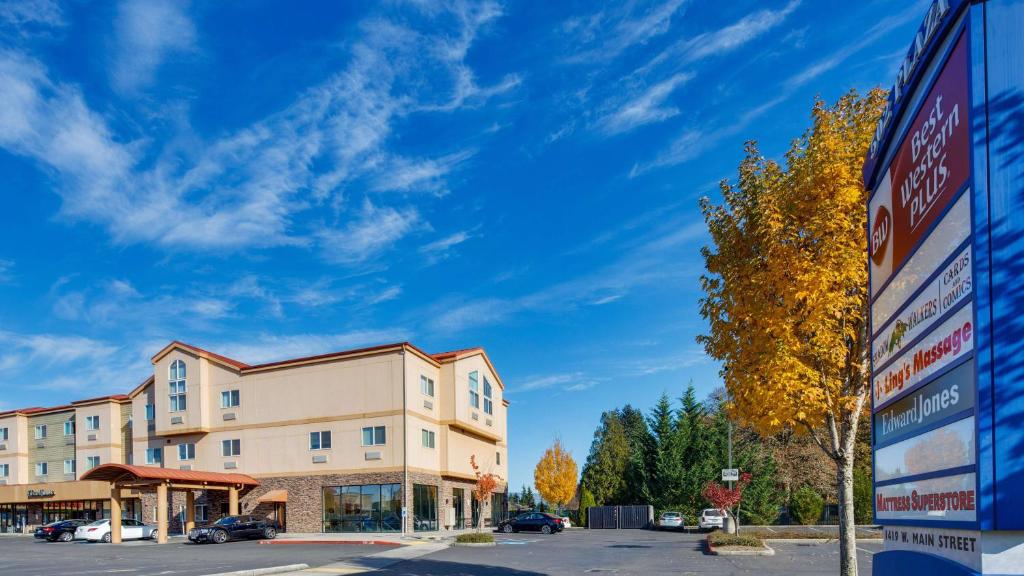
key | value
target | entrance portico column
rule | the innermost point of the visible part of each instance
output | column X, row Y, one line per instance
column 190, row 510
column 161, row 513
column 233, row 501
column 115, row 513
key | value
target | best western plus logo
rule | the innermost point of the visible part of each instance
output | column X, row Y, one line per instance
column 880, row 233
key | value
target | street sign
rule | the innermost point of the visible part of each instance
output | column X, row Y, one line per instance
column 730, row 474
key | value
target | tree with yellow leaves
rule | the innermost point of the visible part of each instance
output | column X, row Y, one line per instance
column 556, row 476
column 786, row 289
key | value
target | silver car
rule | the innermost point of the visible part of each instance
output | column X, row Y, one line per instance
column 711, row 518
column 670, row 520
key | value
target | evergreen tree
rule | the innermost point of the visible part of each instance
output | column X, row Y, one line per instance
column 605, row 470
column 586, row 501
column 641, row 447
column 526, row 499
column 665, row 476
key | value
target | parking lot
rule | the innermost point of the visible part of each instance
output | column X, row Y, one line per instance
column 624, row 552
column 25, row 556
column 618, row 552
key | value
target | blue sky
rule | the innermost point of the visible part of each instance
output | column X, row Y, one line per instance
column 268, row 180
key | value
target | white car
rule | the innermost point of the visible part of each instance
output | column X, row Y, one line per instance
column 565, row 522
column 99, row 531
column 710, row 518
column 670, row 520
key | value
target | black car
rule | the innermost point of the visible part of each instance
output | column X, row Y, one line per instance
column 234, row 528
column 63, row 530
column 532, row 521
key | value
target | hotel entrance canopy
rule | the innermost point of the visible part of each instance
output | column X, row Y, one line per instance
column 163, row 479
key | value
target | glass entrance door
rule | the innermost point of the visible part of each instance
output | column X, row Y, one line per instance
column 459, row 498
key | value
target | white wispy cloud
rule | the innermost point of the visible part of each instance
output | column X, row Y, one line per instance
column 6, row 271
column 692, row 142
column 606, row 34
column 531, row 383
column 375, row 231
column 443, row 248
column 25, row 14
column 721, row 41
column 271, row 347
column 646, row 261
column 647, row 107
column 147, row 33
column 252, row 188
column 46, row 361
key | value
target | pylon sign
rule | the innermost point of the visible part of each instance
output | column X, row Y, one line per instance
column 946, row 283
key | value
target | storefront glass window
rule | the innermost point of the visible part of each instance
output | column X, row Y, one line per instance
column 424, row 499
column 363, row 508
column 459, row 502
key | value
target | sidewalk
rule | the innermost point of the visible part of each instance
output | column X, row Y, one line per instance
column 410, row 548
column 383, row 538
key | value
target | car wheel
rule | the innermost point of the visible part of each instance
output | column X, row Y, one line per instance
column 270, row 533
column 65, row 537
column 153, row 535
column 220, row 537
column 546, row 529
column 507, row 529
column 106, row 538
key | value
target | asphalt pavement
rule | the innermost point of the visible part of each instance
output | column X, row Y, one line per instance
column 26, row 556
column 624, row 552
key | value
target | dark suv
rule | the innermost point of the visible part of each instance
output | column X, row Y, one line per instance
column 531, row 521
column 234, row 528
column 63, row 530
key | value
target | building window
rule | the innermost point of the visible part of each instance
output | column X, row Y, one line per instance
column 154, row 455
column 374, row 436
column 41, row 469
column 186, row 451
column 426, row 386
column 69, row 428
column 497, row 458
column 201, row 513
column 150, row 412
column 69, row 466
column 91, row 462
column 5, row 470
column 424, row 501
column 428, row 439
column 177, row 386
column 367, row 508
column 40, row 431
column 3, row 435
column 488, row 403
column 320, row 440
column 474, row 390
column 231, row 447
column 229, row 399
column 92, row 423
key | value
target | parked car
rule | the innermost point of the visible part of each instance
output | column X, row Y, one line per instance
column 670, row 520
column 62, row 530
column 234, row 528
column 711, row 518
column 532, row 521
column 566, row 522
column 99, row 531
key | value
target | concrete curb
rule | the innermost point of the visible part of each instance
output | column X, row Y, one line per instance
column 321, row 542
column 767, row 551
column 800, row 540
column 475, row 544
column 264, row 571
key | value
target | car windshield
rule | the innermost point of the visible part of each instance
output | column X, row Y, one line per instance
column 712, row 512
column 671, row 515
column 99, row 523
column 226, row 521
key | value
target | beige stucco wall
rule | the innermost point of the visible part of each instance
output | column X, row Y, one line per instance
column 15, row 455
column 192, row 416
column 458, row 386
column 105, row 442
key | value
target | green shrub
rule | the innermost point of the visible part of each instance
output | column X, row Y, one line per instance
column 586, row 501
column 862, row 507
column 806, row 506
column 474, row 538
column 723, row 539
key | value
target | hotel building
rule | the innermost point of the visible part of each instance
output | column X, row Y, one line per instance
column 370, row 440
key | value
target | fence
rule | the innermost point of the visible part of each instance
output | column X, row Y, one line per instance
column 620, row 517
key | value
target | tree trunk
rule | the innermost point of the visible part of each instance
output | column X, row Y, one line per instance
column 847, row 527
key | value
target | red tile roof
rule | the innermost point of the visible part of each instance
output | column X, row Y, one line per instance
column 455, row 353
column 116, row 397
column 201, row 352
column 122, row 472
